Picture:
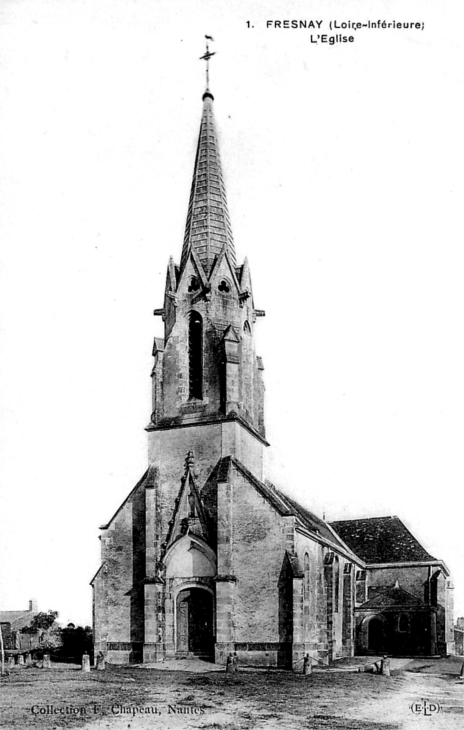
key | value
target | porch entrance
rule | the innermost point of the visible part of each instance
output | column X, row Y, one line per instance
column 377, row 639
column 195, row 635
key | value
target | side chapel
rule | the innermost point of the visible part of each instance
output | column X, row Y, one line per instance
column 206, row 557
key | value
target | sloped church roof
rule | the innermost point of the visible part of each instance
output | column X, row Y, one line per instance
column 381, row 540
column 280, row 501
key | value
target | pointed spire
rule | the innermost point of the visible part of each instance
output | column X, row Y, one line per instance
column 208, row 230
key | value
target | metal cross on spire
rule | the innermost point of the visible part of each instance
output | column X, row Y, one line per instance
column 206, row 58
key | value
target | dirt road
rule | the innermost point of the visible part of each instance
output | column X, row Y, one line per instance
column 416, row 696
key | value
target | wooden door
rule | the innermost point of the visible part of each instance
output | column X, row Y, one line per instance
column 195, row 621
column 183, row 621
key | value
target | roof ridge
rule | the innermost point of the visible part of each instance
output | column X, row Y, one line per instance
column 295, row 509
column 366, row 519
column 405, row 590
column 139, row 484
column 387, row 592
column 263, row 488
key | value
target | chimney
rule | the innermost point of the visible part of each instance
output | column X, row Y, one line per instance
column 33, row 605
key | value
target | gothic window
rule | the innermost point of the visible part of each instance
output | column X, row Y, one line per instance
column 434, row 589
column 403, row 623
column 224, row 286
column 360, row 586
column 336, row 583
column 306, row 578
column 247, row 328
column 195, row 344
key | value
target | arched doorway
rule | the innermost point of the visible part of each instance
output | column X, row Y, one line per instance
column 194, row 613
column 376, row 635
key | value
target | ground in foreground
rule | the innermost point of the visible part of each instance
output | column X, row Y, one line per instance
column 422, row 691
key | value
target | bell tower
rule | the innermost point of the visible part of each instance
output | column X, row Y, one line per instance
column 207, row 406
column 206, row 368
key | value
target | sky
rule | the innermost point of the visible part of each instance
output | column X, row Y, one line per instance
column 343, row 167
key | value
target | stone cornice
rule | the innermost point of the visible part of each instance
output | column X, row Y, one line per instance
column 208, row 422
column 411, row 564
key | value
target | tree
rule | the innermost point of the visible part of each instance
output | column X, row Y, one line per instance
column 41, row 622
column 76, row 641
column 44, row 626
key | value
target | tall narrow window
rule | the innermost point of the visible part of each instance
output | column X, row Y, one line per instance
column 336, row 582
column 195, row 356
column 306, row 578
column 403, row 623
column 306, row 602
column 434, row 588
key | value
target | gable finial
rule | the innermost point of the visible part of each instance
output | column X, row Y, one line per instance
column 189, row 461
column 206, row 58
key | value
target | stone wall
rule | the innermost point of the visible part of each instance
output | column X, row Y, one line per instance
column 118, row 587
column 445, row 622
column 258, row 545
column 459, row 641
column 269, row 609
column 231, row 380
column 314, row 590
column 417, row 580
column 412, row 578
column 168, row 448
column 254, row 592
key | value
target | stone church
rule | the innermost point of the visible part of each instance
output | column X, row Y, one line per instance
column 205, row 556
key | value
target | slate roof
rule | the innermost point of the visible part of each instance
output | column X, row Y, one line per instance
column 208, row 228
column 381, row 540
column 393, row 597
column 17, row 619
column 310, row 520
column 280, row 501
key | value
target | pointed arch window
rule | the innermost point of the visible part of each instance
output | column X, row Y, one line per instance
column 336, row 583
column 195, row 343
column 306, row 577
column 434, row 588
column 403, row 623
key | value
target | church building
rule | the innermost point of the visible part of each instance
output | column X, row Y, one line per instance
column 205, row 556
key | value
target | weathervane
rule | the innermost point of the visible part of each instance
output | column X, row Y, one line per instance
column 206, row 58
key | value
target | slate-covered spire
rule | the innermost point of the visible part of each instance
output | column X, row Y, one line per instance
column 208, row 230
column 206, row 366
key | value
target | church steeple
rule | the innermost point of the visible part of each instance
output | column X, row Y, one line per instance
column 206, row 366
column 208, row 231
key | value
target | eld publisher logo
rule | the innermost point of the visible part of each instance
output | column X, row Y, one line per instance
column 425, row 708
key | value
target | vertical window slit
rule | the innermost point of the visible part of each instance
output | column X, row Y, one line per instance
column 336, row 580
column 195, row 356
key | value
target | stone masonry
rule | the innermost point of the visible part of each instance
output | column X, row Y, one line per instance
column 206, row 557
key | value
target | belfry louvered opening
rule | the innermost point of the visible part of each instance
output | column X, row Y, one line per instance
column 195, row 343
